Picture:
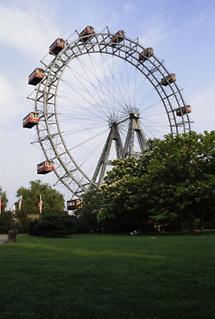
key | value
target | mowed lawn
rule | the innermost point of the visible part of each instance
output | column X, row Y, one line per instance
column 106, row 276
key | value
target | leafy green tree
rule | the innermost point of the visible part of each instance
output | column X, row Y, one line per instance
column 171, row 183
column 87, row 214
column 181, row 177
column 6, row 222
column 53, row 201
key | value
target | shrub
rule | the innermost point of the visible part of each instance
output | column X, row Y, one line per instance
column 23, row 225
column 53, row 225
column 6, row 222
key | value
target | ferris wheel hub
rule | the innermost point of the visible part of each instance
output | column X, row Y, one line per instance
column 134, row 116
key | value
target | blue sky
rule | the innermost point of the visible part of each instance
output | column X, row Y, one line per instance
column 181, row 32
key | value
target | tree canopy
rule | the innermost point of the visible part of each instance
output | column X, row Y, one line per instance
column 53, row 201
column 171, row 183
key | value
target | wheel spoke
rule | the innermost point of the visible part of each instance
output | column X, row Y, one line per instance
column 94, row 93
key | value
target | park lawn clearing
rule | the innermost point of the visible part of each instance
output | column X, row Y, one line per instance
column 108, row 276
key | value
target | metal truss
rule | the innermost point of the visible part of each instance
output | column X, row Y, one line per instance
column 134, row 128
column 50, row 136
column 101, row 167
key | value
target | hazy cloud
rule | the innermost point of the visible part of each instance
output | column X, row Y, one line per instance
column 26, row 29
column 203, row 109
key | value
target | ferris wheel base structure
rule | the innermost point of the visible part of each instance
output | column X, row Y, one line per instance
column 105, row 92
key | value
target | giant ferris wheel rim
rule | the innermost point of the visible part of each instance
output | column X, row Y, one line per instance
column 46, row 94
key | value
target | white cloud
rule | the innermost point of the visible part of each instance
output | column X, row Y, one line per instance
column 17, row 161
column 203, row 109
column 7, row 92
column 26, row 29
column 11, row 103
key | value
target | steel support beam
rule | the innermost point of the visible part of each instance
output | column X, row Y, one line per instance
column 104, row 158
column 134, row 127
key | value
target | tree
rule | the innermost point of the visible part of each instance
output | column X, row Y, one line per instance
column 171, row 184
column 87, row 214
column 53, row 201
column 181, row 178
column 6, row 222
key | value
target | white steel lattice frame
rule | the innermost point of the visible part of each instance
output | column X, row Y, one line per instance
column 44, row 96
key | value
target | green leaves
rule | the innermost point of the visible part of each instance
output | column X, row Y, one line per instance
column 171, row 182
column 53, row 201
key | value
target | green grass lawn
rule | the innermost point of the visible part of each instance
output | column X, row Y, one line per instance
column 104, row 276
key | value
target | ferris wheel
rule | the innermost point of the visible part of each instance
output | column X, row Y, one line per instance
column 99, row 96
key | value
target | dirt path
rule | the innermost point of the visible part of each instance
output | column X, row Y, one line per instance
column 3, row 239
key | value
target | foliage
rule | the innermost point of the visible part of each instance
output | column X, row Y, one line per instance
column 23, row 225
column 170, row 184
column 53, row 225
column 6, row 222
column 52, row 200
column 87, row 214
column 181, row 177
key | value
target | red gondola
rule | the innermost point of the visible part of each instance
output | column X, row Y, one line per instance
column 183, row 110
column 45, row 167
column 87, row 33
column 31, row 120
column 146, row 54
column 57, row 46
column 170, row 78
column 36, row 76
column 73, row 204
column 118, row 37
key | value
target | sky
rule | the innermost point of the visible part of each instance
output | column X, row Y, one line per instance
column 180, row 31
